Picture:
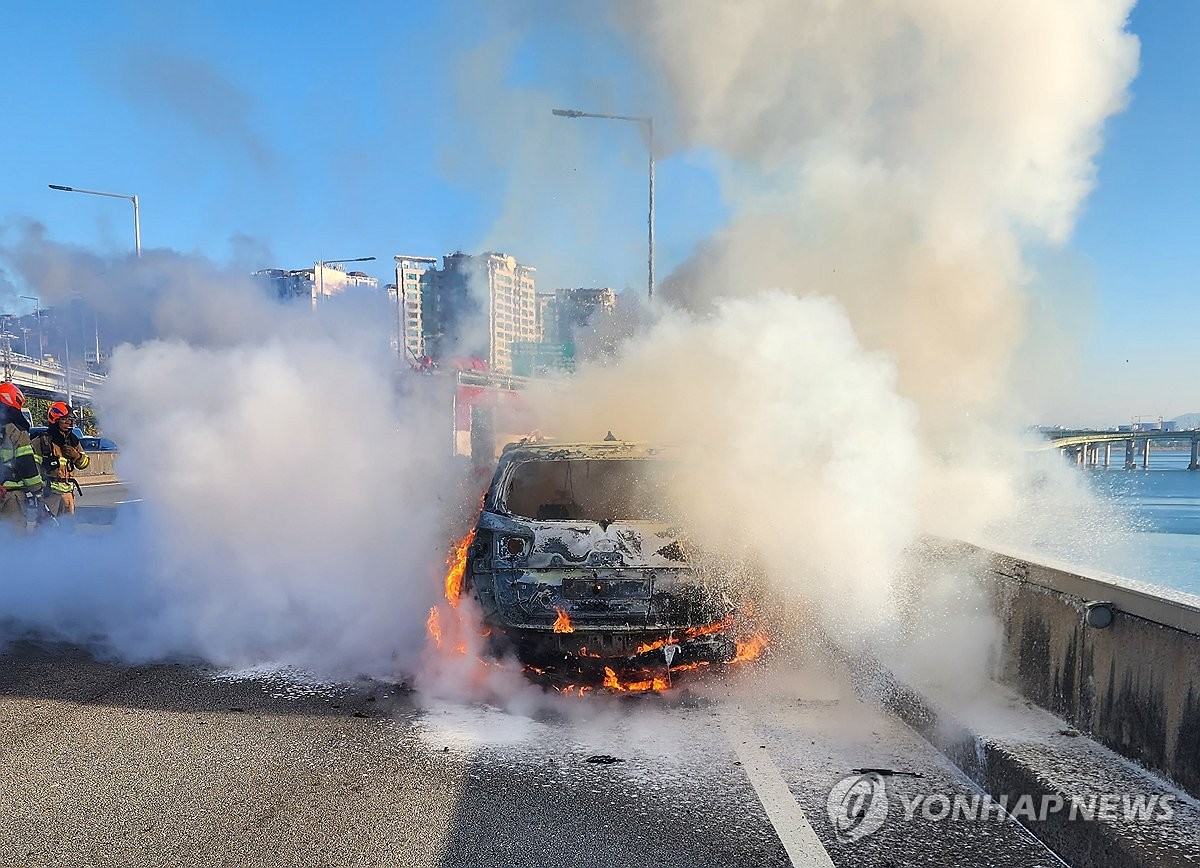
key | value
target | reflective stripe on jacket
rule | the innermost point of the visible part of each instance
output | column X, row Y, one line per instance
column 59, row 460
column 18, row 459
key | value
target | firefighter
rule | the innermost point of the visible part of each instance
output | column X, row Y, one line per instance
column 22, row 483
column 59, row 453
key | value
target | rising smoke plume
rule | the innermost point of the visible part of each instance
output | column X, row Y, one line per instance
column 887, row 165
column 296, row 509
column 838, row 352
column 895, row 156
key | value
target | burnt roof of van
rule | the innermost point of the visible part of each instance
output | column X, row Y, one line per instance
column 596, row 449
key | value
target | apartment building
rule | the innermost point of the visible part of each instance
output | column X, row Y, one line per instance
column 321, row 282
column 479, row 305
column 408, row 294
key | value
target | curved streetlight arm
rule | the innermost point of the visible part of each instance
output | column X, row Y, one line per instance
column 137, row 223
column 575, row 113
column 90, row 192
column 320, row 276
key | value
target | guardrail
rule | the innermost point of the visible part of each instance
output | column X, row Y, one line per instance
column 50, row 378
column 1077, row 438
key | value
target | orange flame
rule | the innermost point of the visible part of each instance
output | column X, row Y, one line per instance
column 650, row 646
column 750, row 649
column 562, row 624
column 434, row 626
column 575, row 690
column 654, row 682
column 708, row 629
column 456, row 568
column 689, row 633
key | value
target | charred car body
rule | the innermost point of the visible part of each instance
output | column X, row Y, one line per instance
column 574, row 557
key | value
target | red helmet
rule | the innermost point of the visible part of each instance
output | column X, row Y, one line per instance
column 12, row 396
column 57, row 410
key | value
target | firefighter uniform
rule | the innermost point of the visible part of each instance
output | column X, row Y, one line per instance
column 20, row 471
column 60, row 455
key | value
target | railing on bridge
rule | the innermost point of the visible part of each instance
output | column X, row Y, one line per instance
column 1086, row 445
column 50, row 378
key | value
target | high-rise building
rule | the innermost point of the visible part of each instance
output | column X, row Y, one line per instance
column 413, row 274
column 283, row 283
column 564, row 313
column 547, row 316
column 568, row 323
column 324, row 280
column 330, row 278
column 479, row 305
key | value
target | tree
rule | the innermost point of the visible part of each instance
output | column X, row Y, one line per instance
column 39, row 408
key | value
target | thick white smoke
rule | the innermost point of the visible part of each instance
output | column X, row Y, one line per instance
column 894, row 155
column 297, row 497
column 804, row 458
column 895, row 160
column 843, row 366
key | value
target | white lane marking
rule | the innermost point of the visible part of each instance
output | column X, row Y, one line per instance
column 119, row 502
column 799, row 839
column 99, row 484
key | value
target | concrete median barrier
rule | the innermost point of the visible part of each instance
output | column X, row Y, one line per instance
column 102, row 467
column 1117, row 659
column 1090, row 672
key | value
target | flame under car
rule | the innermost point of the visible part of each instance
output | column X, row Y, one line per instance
column 574, row 558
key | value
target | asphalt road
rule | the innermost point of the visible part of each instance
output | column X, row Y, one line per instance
column 179, row 765
column 105, row 494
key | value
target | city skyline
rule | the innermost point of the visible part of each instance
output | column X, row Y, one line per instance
column 243, row 154
column 486, row 306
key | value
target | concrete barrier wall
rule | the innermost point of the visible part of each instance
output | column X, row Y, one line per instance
column 1134, row 685
column 101, row 464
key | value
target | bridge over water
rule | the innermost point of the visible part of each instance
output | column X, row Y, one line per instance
column 1092, row 448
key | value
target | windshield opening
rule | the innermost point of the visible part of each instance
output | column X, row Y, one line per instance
column 589, row 490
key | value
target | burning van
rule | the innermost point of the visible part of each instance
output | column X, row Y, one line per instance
column 575, row 557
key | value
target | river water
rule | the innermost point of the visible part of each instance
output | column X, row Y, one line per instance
column 1160, row 507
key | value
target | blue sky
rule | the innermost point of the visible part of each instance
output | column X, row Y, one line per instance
column 1139, row 235
column 277, row 133
column 285, row 132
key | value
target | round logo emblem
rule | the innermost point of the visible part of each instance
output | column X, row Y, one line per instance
column 858, row 806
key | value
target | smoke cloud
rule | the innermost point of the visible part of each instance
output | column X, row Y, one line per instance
column 192, row 91
column 297, row 499
column 888, row 166
column 838, row 357
column 895, row 156
column 799, row 442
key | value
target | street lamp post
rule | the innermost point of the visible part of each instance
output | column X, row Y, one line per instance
column 38, row 313
column 67, row 362
column 137, row 226
column 7, row 338
column 321, row 263
column 649, row 123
